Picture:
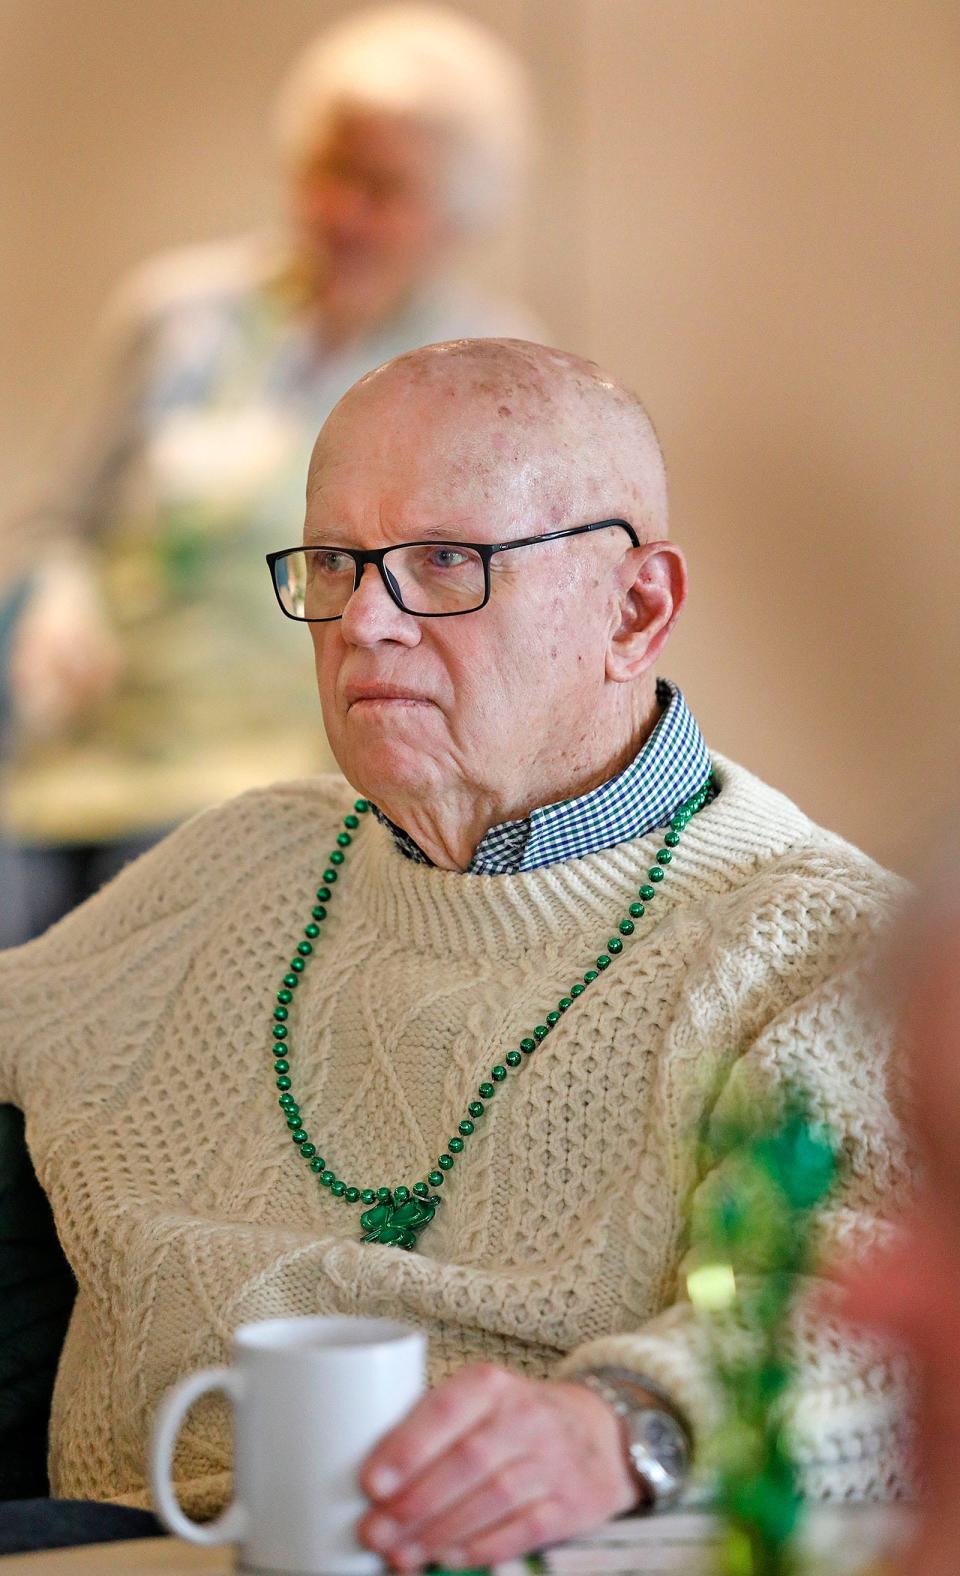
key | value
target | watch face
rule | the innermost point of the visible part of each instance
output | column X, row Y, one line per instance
column 664, row 1439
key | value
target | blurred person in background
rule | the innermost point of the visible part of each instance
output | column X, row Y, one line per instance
column 146, row 675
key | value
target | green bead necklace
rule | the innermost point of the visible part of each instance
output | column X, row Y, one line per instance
column 397, row 1215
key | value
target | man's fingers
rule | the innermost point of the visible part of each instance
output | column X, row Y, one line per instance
column 432, row 1428
column 451, row 1478
column 480, row 1507
column 533, row 1526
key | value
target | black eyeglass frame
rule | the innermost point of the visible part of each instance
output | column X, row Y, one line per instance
column 377, row 555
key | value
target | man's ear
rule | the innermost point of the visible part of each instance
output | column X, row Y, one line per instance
column 653, row 589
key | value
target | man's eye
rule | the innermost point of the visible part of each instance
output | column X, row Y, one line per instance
column 332, row 563
column 448, row 558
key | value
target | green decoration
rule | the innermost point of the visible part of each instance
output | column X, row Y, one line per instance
column 401, row 1213
column 398, row 1223
column 183, row 551
column 752, row 1239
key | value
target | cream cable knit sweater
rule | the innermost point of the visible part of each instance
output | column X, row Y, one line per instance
column 135, row 1037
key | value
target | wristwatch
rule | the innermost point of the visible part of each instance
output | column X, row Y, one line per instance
column 657, row 1439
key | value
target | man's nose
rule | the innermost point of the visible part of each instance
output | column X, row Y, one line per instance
column 371, row 615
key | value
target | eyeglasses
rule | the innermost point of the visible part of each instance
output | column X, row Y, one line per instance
column 431, row 579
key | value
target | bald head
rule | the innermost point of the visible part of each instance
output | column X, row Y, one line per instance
column 539, row 430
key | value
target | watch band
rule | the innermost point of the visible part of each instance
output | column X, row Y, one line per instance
column 656, row 1436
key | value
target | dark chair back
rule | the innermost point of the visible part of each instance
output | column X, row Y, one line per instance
column 37, row 1291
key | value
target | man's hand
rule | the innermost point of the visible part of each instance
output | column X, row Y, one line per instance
column 489, row 1466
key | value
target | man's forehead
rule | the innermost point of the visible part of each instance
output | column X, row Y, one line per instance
column 482, row 485
column 452, row 440
column 470, row 423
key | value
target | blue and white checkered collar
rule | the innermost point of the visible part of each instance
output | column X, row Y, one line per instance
column 670, row 767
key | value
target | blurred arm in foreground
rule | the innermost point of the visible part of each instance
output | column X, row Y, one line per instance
column 911, row 1292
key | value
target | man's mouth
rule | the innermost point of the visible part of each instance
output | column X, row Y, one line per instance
column 364, row 695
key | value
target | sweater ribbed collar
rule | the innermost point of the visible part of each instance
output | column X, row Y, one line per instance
column 569, row 904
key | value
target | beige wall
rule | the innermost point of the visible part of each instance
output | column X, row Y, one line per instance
column 749, row 210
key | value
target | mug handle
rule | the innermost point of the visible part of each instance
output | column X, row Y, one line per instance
column 229, row 1527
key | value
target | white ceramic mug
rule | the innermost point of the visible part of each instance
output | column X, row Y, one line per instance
column 311, row 1397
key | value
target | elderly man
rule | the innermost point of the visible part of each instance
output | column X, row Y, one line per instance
column 489, row 1000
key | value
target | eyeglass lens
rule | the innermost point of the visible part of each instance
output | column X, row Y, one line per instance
column 428, row 577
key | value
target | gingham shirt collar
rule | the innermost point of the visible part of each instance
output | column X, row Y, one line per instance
column 669, row 768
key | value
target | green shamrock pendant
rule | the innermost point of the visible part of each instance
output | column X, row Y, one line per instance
column 398, row 1224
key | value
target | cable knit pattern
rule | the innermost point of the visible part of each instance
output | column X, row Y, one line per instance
column 135, row 1037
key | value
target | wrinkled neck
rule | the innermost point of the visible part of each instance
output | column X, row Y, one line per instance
column 448, row 826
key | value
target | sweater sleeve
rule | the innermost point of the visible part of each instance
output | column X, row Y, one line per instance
column 54, row 980
column 135, row 934
column 110, row 947
column 847, row 1405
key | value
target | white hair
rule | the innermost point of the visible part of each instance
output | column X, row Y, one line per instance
column 442, row 70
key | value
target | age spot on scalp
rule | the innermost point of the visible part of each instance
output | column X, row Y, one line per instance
column 504, row 410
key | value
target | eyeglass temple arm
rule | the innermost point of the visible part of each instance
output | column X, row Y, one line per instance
column 573, row 530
